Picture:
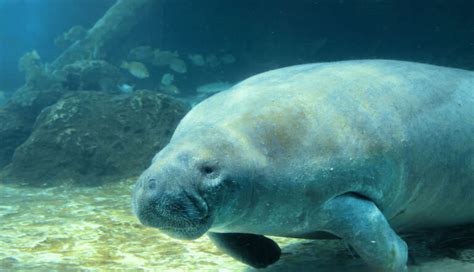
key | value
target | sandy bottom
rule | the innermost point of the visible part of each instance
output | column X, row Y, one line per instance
column 93, row 229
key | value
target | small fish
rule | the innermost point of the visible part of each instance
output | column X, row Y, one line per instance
column 167, row 79
column 125, row 88
column 212, row 60
column 164, row 58
column 178, row 65
column 137, row 69
column 170, row 89
column 197, row 59
column 228, row 59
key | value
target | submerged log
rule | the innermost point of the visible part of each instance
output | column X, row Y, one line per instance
column 107, row 31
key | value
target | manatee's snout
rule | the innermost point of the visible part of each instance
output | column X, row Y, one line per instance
column 180, row 212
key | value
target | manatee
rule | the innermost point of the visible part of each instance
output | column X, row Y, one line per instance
column 361, row 151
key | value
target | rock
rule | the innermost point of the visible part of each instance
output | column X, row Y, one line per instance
column 91, row 75
column 98, row 42
column 36, row 75
column 18, row 116
column 30, row 103
column 29, row 60
column 71, row 36
column 14, row 130
column 89, row 138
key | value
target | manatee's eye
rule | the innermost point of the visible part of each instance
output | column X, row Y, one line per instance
column 207, row 170
column 210, row 171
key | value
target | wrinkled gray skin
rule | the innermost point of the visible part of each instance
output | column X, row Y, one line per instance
column 359, row 150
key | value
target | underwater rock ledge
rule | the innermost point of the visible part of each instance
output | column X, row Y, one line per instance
column 88, row 138
column 17, row 118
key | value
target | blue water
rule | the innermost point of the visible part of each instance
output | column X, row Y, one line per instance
column 219, row 43
column 33, row 24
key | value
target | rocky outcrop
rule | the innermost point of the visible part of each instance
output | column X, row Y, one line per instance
column 14, row 130
column 18, row 116
column 96, row 75
column 89, row 138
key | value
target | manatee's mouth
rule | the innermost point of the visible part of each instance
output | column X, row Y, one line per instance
column 179, row 211
column 184, row 216
column 182, row 229
column 189, row 232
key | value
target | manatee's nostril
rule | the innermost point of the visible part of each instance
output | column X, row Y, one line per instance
column 152, row 184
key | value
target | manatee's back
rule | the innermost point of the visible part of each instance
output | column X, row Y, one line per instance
column 420, row 117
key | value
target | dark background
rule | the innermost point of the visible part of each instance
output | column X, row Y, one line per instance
column 261, row 34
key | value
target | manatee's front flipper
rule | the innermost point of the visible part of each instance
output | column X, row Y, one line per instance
column 255, row 250
column 363, row 226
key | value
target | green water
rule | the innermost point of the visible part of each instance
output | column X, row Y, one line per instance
column 93, row 229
